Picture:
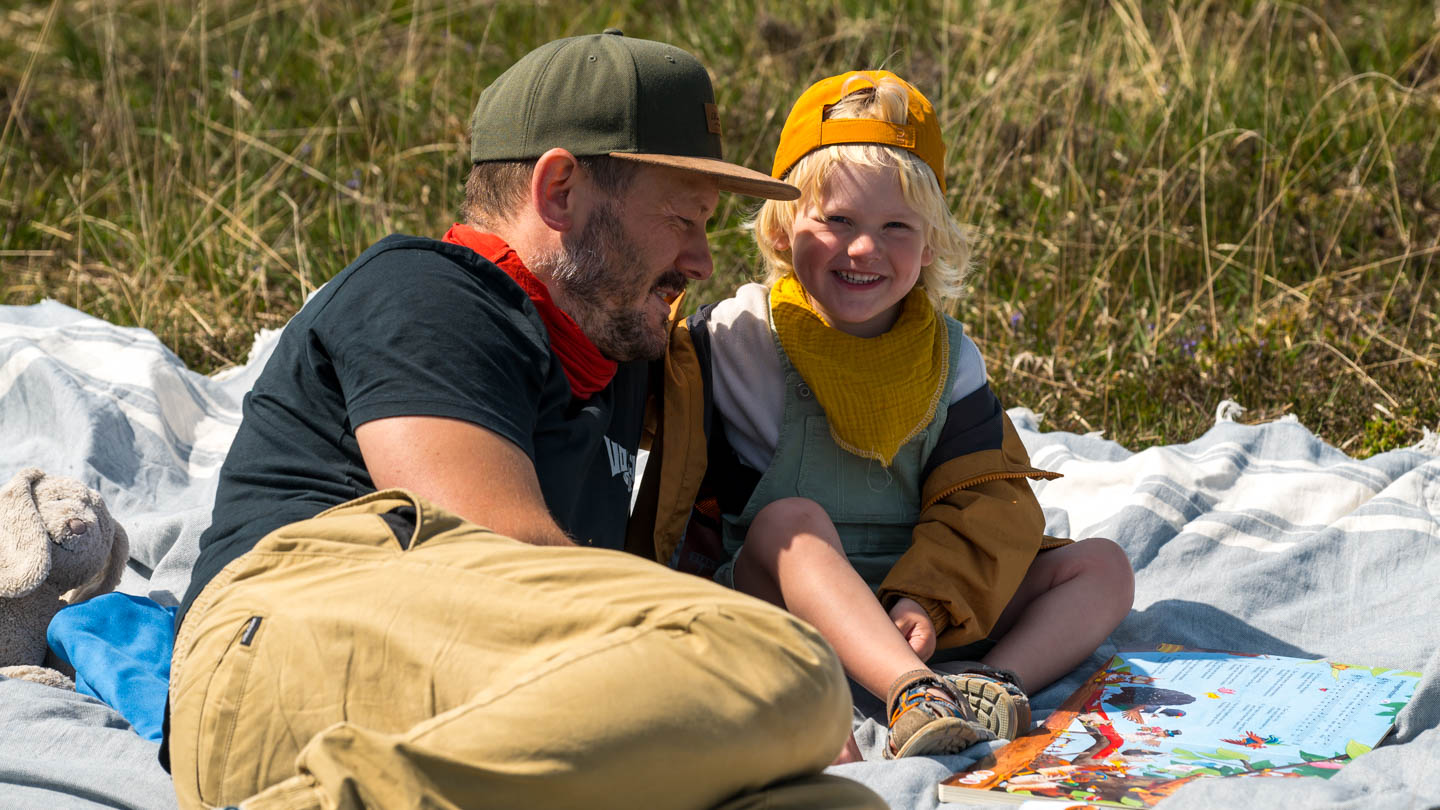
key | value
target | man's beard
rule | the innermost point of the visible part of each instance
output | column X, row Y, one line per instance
column 601, row 283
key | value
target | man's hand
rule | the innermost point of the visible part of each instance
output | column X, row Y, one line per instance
column 915, row 625
column 465, row 468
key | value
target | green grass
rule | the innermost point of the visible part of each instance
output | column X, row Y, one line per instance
column 1173, row 204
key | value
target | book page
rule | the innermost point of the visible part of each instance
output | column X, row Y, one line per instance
column 1154, row 720
column 1283, row 708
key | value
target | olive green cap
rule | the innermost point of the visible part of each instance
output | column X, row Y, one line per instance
column 609, row 94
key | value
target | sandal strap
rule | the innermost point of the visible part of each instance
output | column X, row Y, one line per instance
column 919, row 697
column 909, row 681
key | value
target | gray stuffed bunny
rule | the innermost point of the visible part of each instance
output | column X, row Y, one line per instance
column 58, row 546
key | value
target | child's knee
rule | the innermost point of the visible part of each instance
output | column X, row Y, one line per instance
column 1106, row 562
column 787, row 517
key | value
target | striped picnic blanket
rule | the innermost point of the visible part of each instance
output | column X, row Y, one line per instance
column 1257, row 538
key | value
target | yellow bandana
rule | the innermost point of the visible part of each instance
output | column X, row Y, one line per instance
column 878, row 393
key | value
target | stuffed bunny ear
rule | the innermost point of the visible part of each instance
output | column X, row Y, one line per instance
column 24, row 543
column 105, row 580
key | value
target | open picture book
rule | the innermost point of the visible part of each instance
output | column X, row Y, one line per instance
column 1151, row 721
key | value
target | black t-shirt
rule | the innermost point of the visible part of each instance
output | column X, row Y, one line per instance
column 416, row 327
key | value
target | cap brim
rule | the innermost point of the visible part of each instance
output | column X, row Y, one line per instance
column 734, row 178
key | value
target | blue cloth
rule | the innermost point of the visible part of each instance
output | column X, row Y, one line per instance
column 120, row 648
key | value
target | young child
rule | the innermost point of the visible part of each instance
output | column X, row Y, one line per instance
column 880, row 492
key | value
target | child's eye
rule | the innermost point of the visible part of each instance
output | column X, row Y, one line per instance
column 902, row 225
column 837, row 219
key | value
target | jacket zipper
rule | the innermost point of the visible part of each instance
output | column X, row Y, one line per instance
column 983, row 479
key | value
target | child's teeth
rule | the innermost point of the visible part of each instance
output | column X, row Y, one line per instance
column 855, row 278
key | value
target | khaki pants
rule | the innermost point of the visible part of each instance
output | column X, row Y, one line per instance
column 330, row 668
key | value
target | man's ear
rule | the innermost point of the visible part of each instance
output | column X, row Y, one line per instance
column 553, row 186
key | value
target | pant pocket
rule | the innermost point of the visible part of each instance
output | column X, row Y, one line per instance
column 223, row 743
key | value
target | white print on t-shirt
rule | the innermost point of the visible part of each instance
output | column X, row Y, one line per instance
column 621, row 461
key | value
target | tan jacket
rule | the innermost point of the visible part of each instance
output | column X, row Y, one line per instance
column 980, row 525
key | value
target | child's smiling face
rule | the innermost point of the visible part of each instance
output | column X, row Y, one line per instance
column 861, row 255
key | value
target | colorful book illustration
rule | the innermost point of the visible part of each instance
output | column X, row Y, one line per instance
column 1151, row 721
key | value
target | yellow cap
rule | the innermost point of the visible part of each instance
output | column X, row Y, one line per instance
column 806, row 130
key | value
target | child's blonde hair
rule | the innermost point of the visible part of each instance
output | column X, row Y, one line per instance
column 885, row 99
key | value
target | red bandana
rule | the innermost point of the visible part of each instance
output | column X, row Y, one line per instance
column 587, row 369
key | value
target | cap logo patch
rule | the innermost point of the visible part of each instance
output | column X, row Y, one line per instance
column 712, row 118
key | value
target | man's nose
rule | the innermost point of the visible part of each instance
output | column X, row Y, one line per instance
column 695, row 260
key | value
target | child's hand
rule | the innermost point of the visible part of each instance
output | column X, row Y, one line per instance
column 850, row 753
column 915, row 625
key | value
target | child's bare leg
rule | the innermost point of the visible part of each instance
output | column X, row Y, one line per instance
column 792, row 558
column 1070, row 600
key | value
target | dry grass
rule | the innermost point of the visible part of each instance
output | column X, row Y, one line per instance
column 1174, row 204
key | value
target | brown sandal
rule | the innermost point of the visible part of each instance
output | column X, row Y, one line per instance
column 994, row 695
column 923, row 724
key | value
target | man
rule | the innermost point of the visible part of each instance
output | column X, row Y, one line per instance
column 390, row 651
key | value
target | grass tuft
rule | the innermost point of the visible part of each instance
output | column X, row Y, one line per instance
column 1173, row 203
